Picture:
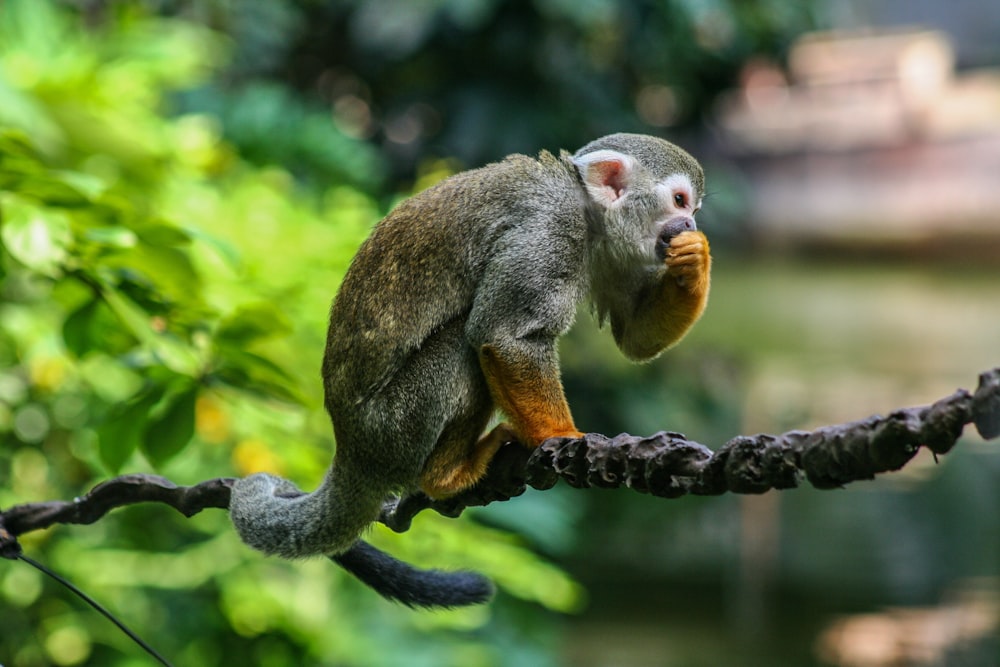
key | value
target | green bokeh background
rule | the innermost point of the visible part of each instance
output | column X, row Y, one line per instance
column 183, row 185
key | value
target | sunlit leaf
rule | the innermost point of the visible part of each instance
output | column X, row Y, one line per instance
column 17, row 158
column 59, row 190
column 36, row 236
column 114, row 237
column 27, row 113
column 165, row 235
column 253, row 323
column 131, row 315
column 15, row 143
column 166, row 269
column 176, row 355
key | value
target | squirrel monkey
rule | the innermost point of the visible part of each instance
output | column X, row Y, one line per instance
column 450, row 311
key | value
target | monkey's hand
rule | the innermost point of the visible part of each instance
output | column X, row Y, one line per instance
column 668, row 307
column 688, row 261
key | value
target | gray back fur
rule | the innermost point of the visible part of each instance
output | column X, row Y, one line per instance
column 500, row 255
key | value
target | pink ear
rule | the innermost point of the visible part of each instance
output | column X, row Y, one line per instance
column 606, row 174
column 610, row 176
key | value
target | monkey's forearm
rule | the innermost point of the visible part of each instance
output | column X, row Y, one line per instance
column 666, row 309
column 529, row 392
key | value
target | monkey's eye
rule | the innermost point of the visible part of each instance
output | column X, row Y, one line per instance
column 680, row 199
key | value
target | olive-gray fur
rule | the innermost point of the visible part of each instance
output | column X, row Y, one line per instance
column 500, row 255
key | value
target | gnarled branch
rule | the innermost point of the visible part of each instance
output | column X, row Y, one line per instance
column 665, row 464
column 106, row 496
column 669, row 465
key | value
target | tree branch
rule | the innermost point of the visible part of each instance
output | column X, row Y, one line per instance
column 665, row 464
column 669, row 465
column 106, row 496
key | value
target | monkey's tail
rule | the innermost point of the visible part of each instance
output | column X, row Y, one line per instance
column 401, row 582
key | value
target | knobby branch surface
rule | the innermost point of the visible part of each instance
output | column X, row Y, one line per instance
column 665, row 464
column 669, row 465
column 106, row 496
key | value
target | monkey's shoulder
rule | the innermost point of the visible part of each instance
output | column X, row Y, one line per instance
column 474, row 194
column 425, row 262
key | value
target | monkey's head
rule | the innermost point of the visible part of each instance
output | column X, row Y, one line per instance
column 642, row 192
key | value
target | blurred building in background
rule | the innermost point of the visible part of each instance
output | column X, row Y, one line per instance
column 868, row 137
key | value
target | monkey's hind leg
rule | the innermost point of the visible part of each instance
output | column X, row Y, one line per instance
column 455, row 466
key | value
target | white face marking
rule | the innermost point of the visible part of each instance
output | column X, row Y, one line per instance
column 677, row 195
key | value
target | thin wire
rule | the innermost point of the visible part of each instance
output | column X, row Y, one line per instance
column 93, row 603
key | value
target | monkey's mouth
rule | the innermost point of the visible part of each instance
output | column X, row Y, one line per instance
column 669, row 230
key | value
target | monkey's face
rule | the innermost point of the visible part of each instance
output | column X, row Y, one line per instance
column 679, row 201
column 639, row 206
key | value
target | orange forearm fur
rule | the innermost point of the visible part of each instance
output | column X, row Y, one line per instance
column 531, row 396
column 666, row 310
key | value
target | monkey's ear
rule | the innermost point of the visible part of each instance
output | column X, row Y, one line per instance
column 606, row 174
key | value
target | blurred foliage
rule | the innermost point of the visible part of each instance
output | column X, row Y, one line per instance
column 182, row 186
column 162, row 306
column 478, row 80
column 470, row 79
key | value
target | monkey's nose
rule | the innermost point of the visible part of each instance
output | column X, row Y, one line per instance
column 673, row 227
column 677, row 225
column 683, row 224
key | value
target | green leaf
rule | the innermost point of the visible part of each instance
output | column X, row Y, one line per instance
column 131, row 315
column 167, row 433
column 35, row 236
column 163, row 235
column 15, row 142
column 112, row 237
column 167, row 270
column 64, row 190
column 256, row 375
column 93, row 326
column 253, row 323
column 17, row 159
column 77, row 328
column 124, row 427
column 173, row 353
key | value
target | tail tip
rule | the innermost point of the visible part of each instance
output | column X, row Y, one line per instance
column 413, row 587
